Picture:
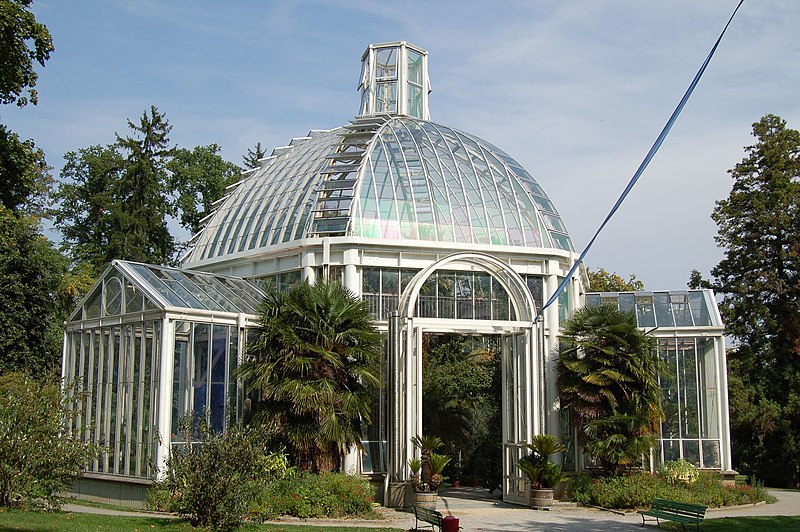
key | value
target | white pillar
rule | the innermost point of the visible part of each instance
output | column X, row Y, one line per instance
column 167, row 362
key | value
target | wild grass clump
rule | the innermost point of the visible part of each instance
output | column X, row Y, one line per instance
column 637, row 490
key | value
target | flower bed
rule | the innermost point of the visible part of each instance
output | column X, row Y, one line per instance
column 638, row 490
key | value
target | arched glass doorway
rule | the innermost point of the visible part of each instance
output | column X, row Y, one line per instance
column 522, row 386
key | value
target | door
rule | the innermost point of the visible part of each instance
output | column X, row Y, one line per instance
column 519, row 410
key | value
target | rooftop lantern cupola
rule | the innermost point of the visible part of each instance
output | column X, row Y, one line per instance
column 394, row 80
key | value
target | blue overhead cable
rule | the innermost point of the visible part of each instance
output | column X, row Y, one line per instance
column 643, row 166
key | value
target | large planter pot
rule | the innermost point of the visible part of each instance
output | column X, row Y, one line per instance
column 425, row 499
column 541, row 497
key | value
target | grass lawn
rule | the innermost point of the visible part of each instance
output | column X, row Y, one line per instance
column 58, row 521
column 775, row 523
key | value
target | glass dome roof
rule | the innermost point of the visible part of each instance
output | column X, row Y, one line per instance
column 388, row 177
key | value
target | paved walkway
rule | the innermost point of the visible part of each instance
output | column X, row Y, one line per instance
column 478, row 512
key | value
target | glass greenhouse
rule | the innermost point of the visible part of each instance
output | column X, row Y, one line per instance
column 689, row 335
column 438, row 230
column 148, row 345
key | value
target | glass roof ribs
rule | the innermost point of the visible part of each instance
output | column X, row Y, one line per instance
column 331, row 213
column 663, row 309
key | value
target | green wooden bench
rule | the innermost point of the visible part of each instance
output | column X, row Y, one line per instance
column 432, row 517
column 680, row 512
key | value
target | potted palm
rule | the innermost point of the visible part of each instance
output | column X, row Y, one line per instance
column 426, row 471
column 542, row 473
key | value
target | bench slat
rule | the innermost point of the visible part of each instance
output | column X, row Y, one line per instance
column 679, row 512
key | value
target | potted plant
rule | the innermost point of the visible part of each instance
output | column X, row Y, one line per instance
column 426, row 471
column 542, row 473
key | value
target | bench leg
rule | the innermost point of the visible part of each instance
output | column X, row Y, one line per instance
column 644, row 520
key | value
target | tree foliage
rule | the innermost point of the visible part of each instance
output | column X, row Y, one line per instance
column 26, row 180
column 608, row 379
column 603, row 281
column 116, row 201
column 23, row 42
column 141, row 208
column 315, row 362
column 252, row 156
column 33, row 300
column 198, row 177
column 38, row 459
column 759, row 279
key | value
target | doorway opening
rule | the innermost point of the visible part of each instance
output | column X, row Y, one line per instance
column 461, row 405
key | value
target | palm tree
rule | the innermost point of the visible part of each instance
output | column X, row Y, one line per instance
column 315, row 360
column 608, row 379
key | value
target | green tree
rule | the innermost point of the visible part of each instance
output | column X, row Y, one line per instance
column 252, row 156
column 86, row 200
column 198, row 177
column 23, row 41
column 141, row 208
column 759, row 279
column 39, row 460
column 608, row 380
column 603, row 281
column 116, row 201
column 316, row 363
column 25, row 179
column 32, row 300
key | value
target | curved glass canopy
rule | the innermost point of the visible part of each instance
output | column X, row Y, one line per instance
column 388, row 177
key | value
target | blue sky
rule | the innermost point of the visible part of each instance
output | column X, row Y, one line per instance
column 575, row 90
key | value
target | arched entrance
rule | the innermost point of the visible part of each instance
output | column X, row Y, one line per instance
column 522, row 385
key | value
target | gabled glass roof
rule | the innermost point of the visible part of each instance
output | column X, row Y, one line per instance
column 388, row 177
column 675, row 308
column 130, row 287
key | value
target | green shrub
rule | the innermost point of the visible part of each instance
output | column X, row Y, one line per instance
column 37, row 457
column 315, row 495
column 638, row 490
column 213, row 482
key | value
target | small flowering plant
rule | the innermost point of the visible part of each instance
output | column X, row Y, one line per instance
column 681, row 471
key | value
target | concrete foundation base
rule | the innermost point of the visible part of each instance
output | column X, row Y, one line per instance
column 400, row 495
column 107, row 489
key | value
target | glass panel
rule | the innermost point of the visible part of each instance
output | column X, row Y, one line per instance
column 687, row 378
column 464, row 308
column 386, row 63
column 626, row 302
column 536, row 287
column 680, row 309
column 200, row 343
column 697, row 302
column 234, row 412
column 133, row 298
column 92, row 306
column 219, row 355
column 182, row 378
column 691, row 451
column 414, row 67
column 672, row 450
column 593, row 300
column 483, row 296
column 113, row 296
column 386, row 97
column 415, row 101
column 564, row 302
column 445, row 294
column 711, row 458
column 663, row 310
column 645, row 316
column 669, row 387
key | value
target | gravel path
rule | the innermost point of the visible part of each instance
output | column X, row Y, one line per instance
column 479, row 513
